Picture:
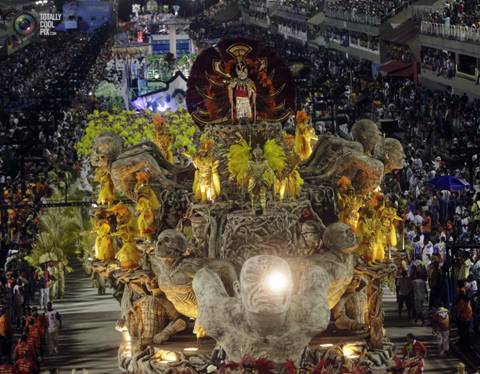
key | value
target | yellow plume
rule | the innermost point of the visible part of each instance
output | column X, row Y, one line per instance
column 275, row 155
column 238, row 158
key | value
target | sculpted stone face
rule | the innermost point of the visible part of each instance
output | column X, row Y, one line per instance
column 170, row 243
column 107, row 146
column 199, row 228
column 367, row 133
column 266, row 285
column 391, row 154
column 340, row 237
column 312, row 236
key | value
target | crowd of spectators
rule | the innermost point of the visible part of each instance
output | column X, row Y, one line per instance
column 457, row 13
column 371, row 8
column 399, row 52
column 27, row 333
column 441, row 62
column 303, row 7
column 45, row 94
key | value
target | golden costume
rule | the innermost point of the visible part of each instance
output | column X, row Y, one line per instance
column 304, row 134
column 128, row 255
column 349, row 203
column 388, row 217
column 371, row 246
column 146, row 218
column 106, row 194
column 147, row 204
column 206, row 183
column 104, row 250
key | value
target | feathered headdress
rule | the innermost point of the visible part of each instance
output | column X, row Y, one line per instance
column 142, row 176
column 302, row 117
column 344, row 182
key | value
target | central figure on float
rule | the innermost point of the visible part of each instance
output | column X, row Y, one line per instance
column 242, row 95
column 240, row 82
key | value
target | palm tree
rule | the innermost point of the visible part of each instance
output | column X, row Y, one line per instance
column 64, row 231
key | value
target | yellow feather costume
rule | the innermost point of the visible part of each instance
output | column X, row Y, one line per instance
column 288, row 183
column 349, row 203
column 128, row 255
column 103, row 243
column 370, row 246
column 256, row 169
column 147, row 204
column 106, row 195
column 388, row 216
column 304, row 134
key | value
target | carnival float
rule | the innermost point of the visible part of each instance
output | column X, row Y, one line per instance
column 246, row 249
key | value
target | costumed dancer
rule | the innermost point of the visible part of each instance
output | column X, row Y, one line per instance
column 206, row 183
column 128, row 255
column 256, row 169
column 163, row 139
column 242, row 95
column 304, row 134
column 389, row 217
column 147, row 205
column 349, row 203
column 106, row 195
column 104, row 250
column 371, row 243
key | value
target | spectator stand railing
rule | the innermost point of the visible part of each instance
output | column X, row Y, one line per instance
column 357, row 18
column 461, row 33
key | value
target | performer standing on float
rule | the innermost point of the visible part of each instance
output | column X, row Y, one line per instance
column 242, row 95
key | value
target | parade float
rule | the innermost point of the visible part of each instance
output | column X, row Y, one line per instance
column 244, row 248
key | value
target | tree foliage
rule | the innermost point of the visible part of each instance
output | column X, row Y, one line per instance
column 182, row 129
column 132, row 127
column 135, row 128
column 62, row 231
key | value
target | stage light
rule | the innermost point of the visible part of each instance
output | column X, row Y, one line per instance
column 171, row 357
column 277, row 281
column 166, row 356
column 350, row 351
column 192, row 349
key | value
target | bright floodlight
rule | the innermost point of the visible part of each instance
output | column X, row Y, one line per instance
column 277, row 282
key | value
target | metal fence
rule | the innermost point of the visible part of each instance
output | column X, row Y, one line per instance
column 461, row 33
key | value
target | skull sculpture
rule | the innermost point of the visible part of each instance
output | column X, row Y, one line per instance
column 367, row 133
column 340, row 237
column 170, row 243
column 107, row 146
column 391, row 153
